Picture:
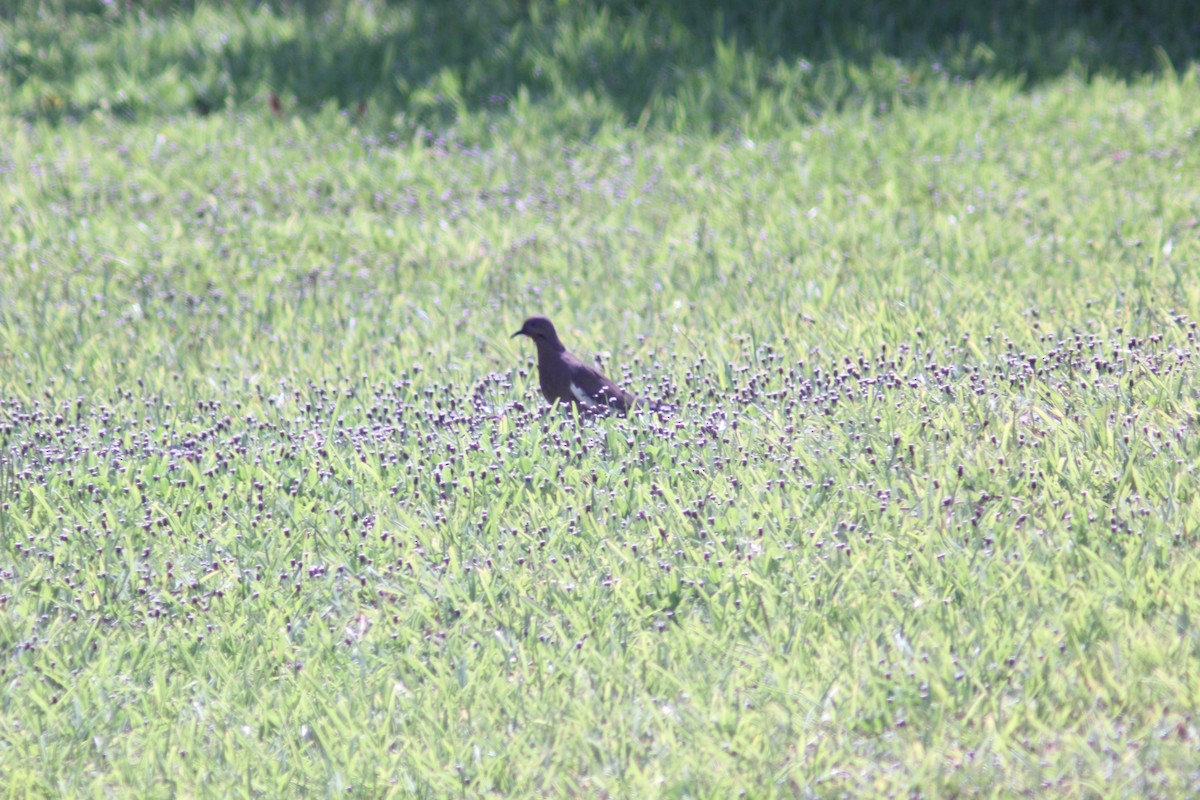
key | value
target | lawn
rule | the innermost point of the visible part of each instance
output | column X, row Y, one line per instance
column 283, row 512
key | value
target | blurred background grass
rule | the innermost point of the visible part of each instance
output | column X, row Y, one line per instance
column 755, row 66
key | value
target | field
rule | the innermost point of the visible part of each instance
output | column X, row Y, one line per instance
column 283, row 512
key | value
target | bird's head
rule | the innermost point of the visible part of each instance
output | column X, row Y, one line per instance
column 540, row 329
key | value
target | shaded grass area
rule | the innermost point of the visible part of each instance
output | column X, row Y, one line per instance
column 757, row 66
column 281, row 513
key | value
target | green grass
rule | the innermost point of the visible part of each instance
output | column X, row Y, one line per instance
column 762, row 66
column 282, row 513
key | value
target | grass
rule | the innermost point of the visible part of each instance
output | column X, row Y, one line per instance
column 282, row 512
column 762, row 66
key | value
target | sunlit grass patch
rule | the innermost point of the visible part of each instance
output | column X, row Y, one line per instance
column 282, row 510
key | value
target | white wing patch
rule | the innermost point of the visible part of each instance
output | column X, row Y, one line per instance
column 583, row 397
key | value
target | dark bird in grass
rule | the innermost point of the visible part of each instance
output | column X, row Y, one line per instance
column 566, row 379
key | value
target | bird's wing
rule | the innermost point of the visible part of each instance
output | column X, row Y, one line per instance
column 585, row 399
column 589, row 382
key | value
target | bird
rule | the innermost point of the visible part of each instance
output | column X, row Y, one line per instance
column 565, row 379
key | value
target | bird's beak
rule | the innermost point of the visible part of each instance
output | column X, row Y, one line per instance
column 518, row 333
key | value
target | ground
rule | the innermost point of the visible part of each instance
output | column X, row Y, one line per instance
column 282, row 510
